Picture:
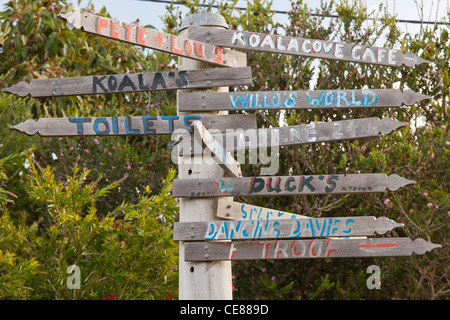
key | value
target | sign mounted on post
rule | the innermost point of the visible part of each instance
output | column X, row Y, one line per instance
column 253, row 41
column 300, row 134
column 117, row 126
column 122, row 83
column 304, row 99
column 223, row 158
column 283, row 228
column 228, row 209
column 288, row 185
column 301, row 249
column 153, row 39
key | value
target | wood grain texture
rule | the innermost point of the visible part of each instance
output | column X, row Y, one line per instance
column 306, row 249
column 301, row 99
column 231, row 210
column 150, row 38
column 235, row 140
column 283, row 228
column 314, row 48
column 114, row 126
column 135, row 82
column 223, row 158
column 288, row 185
column 200, row 280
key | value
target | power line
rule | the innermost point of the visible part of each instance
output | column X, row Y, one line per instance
column 312, row 14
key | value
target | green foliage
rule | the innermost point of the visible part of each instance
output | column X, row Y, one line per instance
column 419, row 152
column 128, row 254
column 103, row 203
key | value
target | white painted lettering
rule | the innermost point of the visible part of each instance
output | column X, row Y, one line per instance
column 293, row 44
column 369, row 53
column 279, row 45
column 254, row 40
column 317, row 46
column 338, row 50
column 267, row 41
column 304, row 48
column 354, row 54
column 391, row 56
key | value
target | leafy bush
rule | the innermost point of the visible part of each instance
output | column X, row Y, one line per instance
column 104, row 203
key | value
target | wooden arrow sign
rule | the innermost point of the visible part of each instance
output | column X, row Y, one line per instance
column 288, row 185
column 148, row 125
column 300, row 134
column 304, row 249
column 282, row 228
column 223, row 158
column 153, row 39
column 314, row 48
column 231, row 210
column 121, row 83
column 306, row 99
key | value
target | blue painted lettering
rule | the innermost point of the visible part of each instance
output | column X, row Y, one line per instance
column 239, row 99
column 349, row 221
column 367, row 94
column 315, row 101
column 79, row 122
column 128, row 128
column 104, row 122
column 147, row 123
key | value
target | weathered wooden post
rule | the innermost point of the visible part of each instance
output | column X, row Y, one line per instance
column 201, row 280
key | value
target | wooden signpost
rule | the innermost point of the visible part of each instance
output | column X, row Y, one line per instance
column 306, row 249
column 313, row 48
column 117, row 126
column 153, row 39
column 288, row 185
column 231, row 210
column 223, row 158
column 122, row 83
column 299, row 134
column 283, row 228
column 304, row 99
column 205, row 194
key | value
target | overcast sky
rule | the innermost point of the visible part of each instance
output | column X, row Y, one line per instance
column 149, row 12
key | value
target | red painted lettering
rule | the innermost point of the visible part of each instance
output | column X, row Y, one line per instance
column 200, row 50
column 312, row 249
column 218, row 57
column 188, row 48
column 115, row 32
column 329, row 250
column 279, row 250
column 102, row 24
column 174, row 48
column 256, row 185
column 142, row 32
column 265, row 249
column 232, row 251
column 129, row 32
column 294, row 248
column 160, row 39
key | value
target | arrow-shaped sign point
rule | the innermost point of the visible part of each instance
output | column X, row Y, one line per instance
column 73, row 19
column 421, row 246
column 29, row 127
column 22, row 89
column 395, row 182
